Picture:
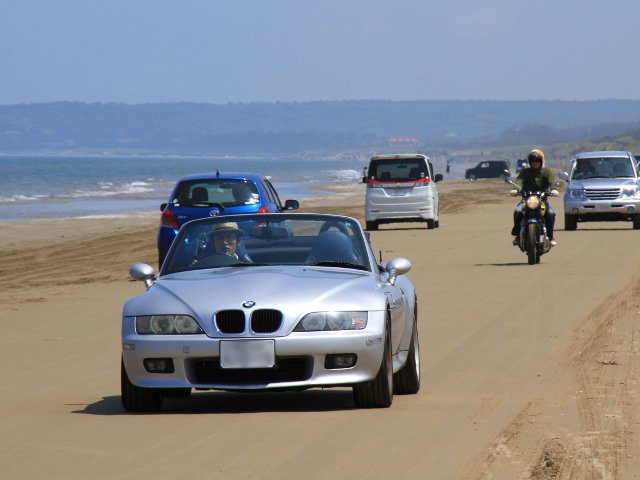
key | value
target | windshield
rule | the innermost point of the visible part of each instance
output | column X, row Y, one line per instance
column 607, row 167
column 270, row 239
column 398, row 169
column 227, row 192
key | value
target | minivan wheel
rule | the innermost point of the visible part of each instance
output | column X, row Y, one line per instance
column 571, row 222
column 472, row 176
column 431, row 223
column 372, row 225
column 636, row 222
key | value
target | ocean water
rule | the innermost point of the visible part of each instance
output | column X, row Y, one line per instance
column 62, row 187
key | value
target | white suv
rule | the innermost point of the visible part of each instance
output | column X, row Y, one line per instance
column 401, row 188
column 602, row 186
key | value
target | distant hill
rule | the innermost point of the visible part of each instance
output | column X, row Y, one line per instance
column 557, row 154
column 291, row 127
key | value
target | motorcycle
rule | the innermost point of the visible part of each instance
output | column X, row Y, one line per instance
column 534, row 240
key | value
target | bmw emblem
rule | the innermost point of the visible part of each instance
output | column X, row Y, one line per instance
column 248, row 304
column 214, row 212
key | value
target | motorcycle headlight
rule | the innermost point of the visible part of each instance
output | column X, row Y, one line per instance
column 533, row 202
column 167, row 325
column 576, row 193
column 329, row 321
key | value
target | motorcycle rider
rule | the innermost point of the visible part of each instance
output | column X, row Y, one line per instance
column 535, row 178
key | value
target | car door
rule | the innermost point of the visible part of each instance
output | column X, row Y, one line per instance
column 434, row 191
column 273, row 195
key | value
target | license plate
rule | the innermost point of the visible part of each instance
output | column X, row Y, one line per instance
column 247, row 354
column 399, row 191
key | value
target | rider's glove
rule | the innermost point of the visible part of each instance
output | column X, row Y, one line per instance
column 513, row 192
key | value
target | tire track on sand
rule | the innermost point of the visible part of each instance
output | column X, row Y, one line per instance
column 580, row 426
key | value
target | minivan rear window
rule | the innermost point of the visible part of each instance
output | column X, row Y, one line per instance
column 398, row 169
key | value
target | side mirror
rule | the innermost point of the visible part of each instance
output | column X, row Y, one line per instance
column 397, row 266
column 163, row 206
column 364, row 179
column 438, row 177
column 143, row 272
column 291, row 204
column 563, row 176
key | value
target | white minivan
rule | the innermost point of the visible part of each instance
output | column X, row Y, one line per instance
column 401, row 188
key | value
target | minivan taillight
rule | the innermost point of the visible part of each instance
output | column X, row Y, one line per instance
column 263, row 209
column 168, row 219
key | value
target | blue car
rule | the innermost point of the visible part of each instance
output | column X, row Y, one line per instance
column 212, row 194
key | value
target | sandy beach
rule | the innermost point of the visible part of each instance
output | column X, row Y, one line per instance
column 528, row 372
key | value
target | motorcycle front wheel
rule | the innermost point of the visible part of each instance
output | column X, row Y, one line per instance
column 531, row 243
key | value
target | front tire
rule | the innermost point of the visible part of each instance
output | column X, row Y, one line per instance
column 571, row 222
column 372, row 225
column 378, row 393
column 473, row 177
column 531, row 243
column 407, row 380
column 137, row 399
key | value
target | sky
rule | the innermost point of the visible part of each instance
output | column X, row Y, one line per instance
column 242, row 51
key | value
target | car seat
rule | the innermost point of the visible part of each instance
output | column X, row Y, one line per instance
column 241, row 193
column 619, row 169
column 385, row 176
column 199, row 195
column 332, row 246
column 414, row 173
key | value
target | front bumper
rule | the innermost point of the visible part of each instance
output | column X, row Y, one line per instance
column 586, row 208
column 300, row 359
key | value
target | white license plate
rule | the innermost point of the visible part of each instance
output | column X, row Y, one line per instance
column 247, row 354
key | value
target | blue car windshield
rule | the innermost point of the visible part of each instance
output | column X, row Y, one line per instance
column 268, row 239
column 226, row 192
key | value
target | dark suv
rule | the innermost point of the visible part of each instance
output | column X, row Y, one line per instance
column 489, row 169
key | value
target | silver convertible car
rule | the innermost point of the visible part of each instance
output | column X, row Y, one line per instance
column 270, row 302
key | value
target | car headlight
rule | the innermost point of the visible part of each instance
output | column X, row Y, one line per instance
column 630, row 191
column 167, row 325
column 533, row 202
column 575, row 193
column 328, row 321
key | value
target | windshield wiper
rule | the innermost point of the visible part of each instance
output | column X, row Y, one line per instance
column 357, row 266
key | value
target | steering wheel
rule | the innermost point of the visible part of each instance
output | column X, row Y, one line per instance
column 341, row 227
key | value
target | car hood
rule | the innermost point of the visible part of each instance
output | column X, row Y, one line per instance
column 294, row 290
column 597, row 183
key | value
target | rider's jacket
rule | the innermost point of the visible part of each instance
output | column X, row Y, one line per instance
column 538, row 179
